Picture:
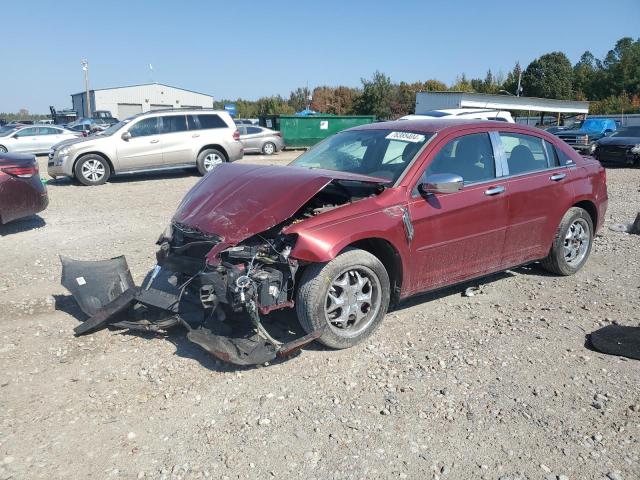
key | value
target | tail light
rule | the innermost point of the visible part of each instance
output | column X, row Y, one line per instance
column 84, row 134
column 278, row 134
column 236, row 135
column 21, row 171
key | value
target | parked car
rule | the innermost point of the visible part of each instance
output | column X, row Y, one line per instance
column 35, row 139
column 622, row 147
column 160, row 139
column 20, row 122
column 86, row 126
column 368, row 217
column 584, row 138
column 21, row 190
column 243, row 121
column 260, row 139
column 467, row 113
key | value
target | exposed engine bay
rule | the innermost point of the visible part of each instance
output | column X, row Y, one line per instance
column 218, row 300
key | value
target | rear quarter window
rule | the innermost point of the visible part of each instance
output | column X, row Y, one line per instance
column 211, row 121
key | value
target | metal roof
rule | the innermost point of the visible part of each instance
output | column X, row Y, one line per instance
column 444, row 100
column 144, row 85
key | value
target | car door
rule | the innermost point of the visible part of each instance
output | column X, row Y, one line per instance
column 25, row 140
column 144, row 148
column 538, row 189
column 253, row 138
column 176, row 140
column 459, row 235
column 48, row 137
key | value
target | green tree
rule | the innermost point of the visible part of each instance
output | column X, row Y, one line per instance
column 549, row 76
column 462, row 84
column 376, row 96
column 299, row 98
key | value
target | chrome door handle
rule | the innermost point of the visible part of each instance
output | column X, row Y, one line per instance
column 195, row 135
column 494, row 190
column 154, row 141
column 556, row 177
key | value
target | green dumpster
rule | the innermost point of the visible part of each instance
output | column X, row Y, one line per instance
column 299, row 131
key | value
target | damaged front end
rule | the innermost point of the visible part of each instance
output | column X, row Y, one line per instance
column 219, row 285
column 252, row 279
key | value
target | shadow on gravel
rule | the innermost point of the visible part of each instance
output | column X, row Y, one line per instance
column 130, row 177
column 22, row 225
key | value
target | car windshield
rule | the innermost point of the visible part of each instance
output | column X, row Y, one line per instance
column 6, row 130
column 627, row 132
column 114, row 128
column 378, row 153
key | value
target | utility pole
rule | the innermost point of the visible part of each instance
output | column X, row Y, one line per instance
column 85, row 68
column 519, row 81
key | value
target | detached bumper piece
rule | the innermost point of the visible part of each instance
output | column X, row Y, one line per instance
column 105, row 291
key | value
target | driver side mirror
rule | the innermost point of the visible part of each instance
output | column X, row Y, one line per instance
column 15, row 135
column 126, row 136
column 442, row 183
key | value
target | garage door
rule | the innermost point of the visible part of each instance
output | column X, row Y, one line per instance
column 157, row 106
column 125, row 110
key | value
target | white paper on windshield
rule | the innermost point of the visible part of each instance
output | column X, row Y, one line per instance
column 405, row 137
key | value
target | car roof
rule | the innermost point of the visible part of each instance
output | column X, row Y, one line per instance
column 434, row 125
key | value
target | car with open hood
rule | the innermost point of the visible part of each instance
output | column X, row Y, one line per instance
column 366, row 218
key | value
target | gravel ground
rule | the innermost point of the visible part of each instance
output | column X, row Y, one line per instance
column 495, row 386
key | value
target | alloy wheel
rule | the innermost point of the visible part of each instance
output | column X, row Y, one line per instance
column 353, row 301
column 576, row 242
column 93, row 170
column 211, row 160
column 268, row 149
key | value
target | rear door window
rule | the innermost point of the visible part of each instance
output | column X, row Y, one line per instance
column 470, row 156
column 524, row 153
column 193, row 122
column 174, row 123
column 211, row 121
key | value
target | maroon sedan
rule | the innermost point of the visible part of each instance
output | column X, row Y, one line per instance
column 21, row 191
column 366, row 218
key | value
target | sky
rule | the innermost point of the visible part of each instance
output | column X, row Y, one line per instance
column 251, row 49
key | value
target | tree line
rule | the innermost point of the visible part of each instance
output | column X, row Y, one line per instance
column 611, row 83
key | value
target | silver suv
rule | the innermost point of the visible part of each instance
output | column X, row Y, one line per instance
column 160, row 139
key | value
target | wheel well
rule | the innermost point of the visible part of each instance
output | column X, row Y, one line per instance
column 591, row 210
column 390, row 258
column 217, row 147
column 108, row 160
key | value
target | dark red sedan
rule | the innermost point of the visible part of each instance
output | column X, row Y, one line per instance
column 21, row 190
column 363, row 220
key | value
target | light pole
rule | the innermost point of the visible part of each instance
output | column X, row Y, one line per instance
column 85, row 68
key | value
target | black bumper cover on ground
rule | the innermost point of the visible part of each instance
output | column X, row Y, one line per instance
column 105, row 291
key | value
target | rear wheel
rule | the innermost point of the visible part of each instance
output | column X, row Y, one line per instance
column 209, row 159
column 268, row 148
column 92, row 170
column 347, row 297
column 572, row 244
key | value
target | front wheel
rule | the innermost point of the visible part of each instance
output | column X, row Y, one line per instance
column 347, row 297
column 209, row 159
column 572, row 243
column 3, row 149
column 92, row 170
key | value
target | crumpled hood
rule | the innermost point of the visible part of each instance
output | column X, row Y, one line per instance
column 236, row 201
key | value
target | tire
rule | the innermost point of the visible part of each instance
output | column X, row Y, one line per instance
column 92, row 170
column 574, row 237
column 3, row 149
column 317, row 310
column 269, row 148
column 208, row 159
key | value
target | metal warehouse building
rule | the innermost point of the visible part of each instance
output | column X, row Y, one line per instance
column 123, row 102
